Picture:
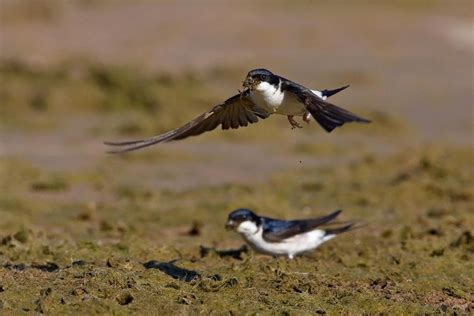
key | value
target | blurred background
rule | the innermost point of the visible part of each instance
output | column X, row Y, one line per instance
column 76, row 73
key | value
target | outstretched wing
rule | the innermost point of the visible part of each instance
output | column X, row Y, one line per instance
column 235, row 112
column 276, row 231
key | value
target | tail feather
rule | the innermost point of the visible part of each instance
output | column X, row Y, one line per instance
column 342, row 229
column 338, row 230
column 328, row 92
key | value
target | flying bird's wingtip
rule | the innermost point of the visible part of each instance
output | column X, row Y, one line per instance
column 112, row 152
column 122, row 143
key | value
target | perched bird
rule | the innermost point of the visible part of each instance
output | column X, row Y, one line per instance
column 264, row 94
column 285, row 238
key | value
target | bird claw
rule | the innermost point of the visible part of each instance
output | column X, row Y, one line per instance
column 294, row 124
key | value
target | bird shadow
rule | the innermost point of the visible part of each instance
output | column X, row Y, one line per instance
column 233, row 253
column 173, row 270
column 47, row 267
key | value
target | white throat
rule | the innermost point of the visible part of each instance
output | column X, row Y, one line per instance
column 247, row 228
column 268, row 96
column 274, row 100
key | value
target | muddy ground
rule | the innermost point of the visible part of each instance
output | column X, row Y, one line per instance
column 83, row 232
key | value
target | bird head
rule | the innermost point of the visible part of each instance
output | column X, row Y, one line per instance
column 242, row 220
column 256, row 76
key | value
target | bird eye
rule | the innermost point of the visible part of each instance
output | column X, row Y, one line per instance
column 263, row 77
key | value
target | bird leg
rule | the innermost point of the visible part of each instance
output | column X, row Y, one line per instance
column 293, row 123
column 307, row 117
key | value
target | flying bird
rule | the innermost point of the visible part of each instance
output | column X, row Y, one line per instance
column 285, row 238
column 264, row 94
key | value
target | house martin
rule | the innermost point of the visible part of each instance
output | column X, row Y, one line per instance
column 285, row 238
column 264, row 94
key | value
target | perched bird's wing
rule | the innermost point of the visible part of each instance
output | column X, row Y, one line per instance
column 235, row 112
column 328, row 115
column 276, row 231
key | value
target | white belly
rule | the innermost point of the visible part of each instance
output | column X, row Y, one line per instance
column 291, row 106
column 289, row 247
column 276, row 101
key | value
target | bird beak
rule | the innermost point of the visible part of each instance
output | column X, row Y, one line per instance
column 230, row 225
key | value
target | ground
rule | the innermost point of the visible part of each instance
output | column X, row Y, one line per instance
column 84, row 232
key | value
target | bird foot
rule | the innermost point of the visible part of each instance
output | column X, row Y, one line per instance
column 294, row 124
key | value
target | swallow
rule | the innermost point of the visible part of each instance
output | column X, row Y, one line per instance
column 264, row 94
column 285, row 238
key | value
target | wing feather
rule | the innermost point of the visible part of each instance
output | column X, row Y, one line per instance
column 251, row 117
column 237, row 111
column 328, row 115
column 234, row 117
column 282, row 230
column 243, row 119
column 225, row 119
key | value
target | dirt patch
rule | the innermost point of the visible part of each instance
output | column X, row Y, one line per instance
column 104, row 255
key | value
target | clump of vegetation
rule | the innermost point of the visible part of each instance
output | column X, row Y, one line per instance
column 33, row 96
column 53, row 183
